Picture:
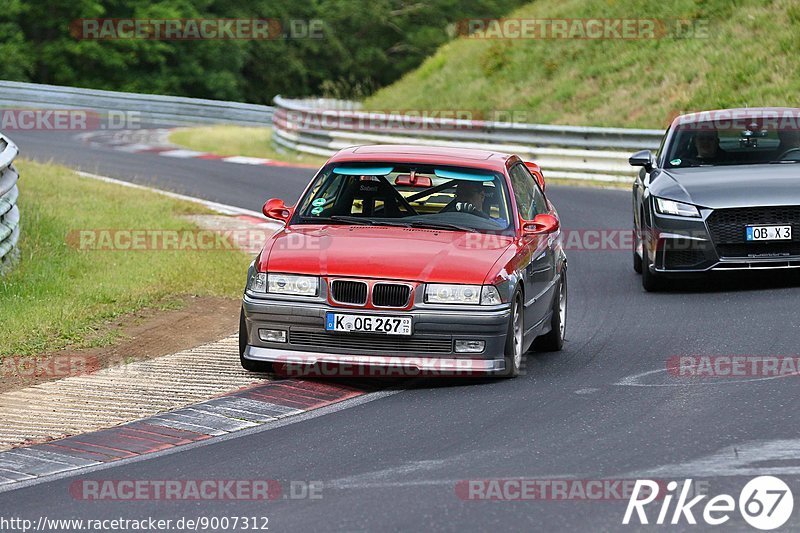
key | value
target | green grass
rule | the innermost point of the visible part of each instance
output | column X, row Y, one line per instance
column 748, row 59
column 59, row 296
column 238, row 140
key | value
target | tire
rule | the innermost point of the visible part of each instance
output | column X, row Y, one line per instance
column 637, row 262
column 637, row 259
column 553, row 341
column 514, row 338
column 247, row 364
column 651, row 281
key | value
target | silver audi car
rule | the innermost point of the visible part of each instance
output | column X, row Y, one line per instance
column 721, row 193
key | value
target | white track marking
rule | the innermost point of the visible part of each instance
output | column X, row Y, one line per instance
column 180, row 153
column 633, row 380
column 244, row 160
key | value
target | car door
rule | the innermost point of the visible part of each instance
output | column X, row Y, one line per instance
column 539, row 262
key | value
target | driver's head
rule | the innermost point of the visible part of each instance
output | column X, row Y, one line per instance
column 471, row 192
column 707, row 143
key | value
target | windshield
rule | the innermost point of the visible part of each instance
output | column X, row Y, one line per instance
column 440, row 197
column 709, row 144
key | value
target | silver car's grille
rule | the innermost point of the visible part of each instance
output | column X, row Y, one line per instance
column 728, row 225
column 728, row 229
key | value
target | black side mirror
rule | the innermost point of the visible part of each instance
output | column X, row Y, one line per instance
column 643, row 158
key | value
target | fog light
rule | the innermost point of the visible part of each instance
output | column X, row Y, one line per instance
column 272, row 335
column 470, row 346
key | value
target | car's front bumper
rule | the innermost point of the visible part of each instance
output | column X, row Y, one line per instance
column 679, row 245
column 430, row 348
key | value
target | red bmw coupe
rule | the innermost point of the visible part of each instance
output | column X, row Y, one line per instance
column 431, row 259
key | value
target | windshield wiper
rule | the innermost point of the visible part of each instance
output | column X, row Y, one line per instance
column 352, row 220
column 366, row 221
column 441, row 225
column 417, row 224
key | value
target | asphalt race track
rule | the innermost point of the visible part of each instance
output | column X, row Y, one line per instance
column 227, row 183
column 604, row 408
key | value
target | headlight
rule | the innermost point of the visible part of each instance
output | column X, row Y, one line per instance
column 490, row 295
column 257, row 282
column 440, row 293
column 283, row 284
column 294, row 285
column 671, row 207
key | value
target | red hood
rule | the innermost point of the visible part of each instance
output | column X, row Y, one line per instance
column 409, row 254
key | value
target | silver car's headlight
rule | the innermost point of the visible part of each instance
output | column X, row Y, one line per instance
column 678, row 209
column 443, row 293
column 292, row 285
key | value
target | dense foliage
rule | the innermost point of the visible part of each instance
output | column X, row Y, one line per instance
column 364, row 45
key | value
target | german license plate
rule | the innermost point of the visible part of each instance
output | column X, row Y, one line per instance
column 349, row 323
column 769, row 233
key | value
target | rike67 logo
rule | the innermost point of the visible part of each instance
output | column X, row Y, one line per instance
column 765, row 503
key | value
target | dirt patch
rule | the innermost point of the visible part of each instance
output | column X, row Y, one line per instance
column 146, row 334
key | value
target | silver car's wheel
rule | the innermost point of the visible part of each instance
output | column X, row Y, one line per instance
column 637, row 249
column 651, row 281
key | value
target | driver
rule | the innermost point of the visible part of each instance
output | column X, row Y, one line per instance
column 469, row 197
column 707, row 145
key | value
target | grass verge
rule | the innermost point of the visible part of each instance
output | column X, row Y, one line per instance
column 238, row 140
column 745, row 57
column 60, row 296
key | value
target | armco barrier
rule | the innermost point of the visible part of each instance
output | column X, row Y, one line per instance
column 568, row 152
column 9, row 211
column 151, row 108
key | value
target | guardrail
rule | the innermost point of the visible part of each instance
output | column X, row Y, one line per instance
column 152, row 108
column 322, row 127
column 9, row 211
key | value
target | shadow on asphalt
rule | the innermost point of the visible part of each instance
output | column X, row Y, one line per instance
column 373, row 380
column 375, row 384
column 757, row 280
